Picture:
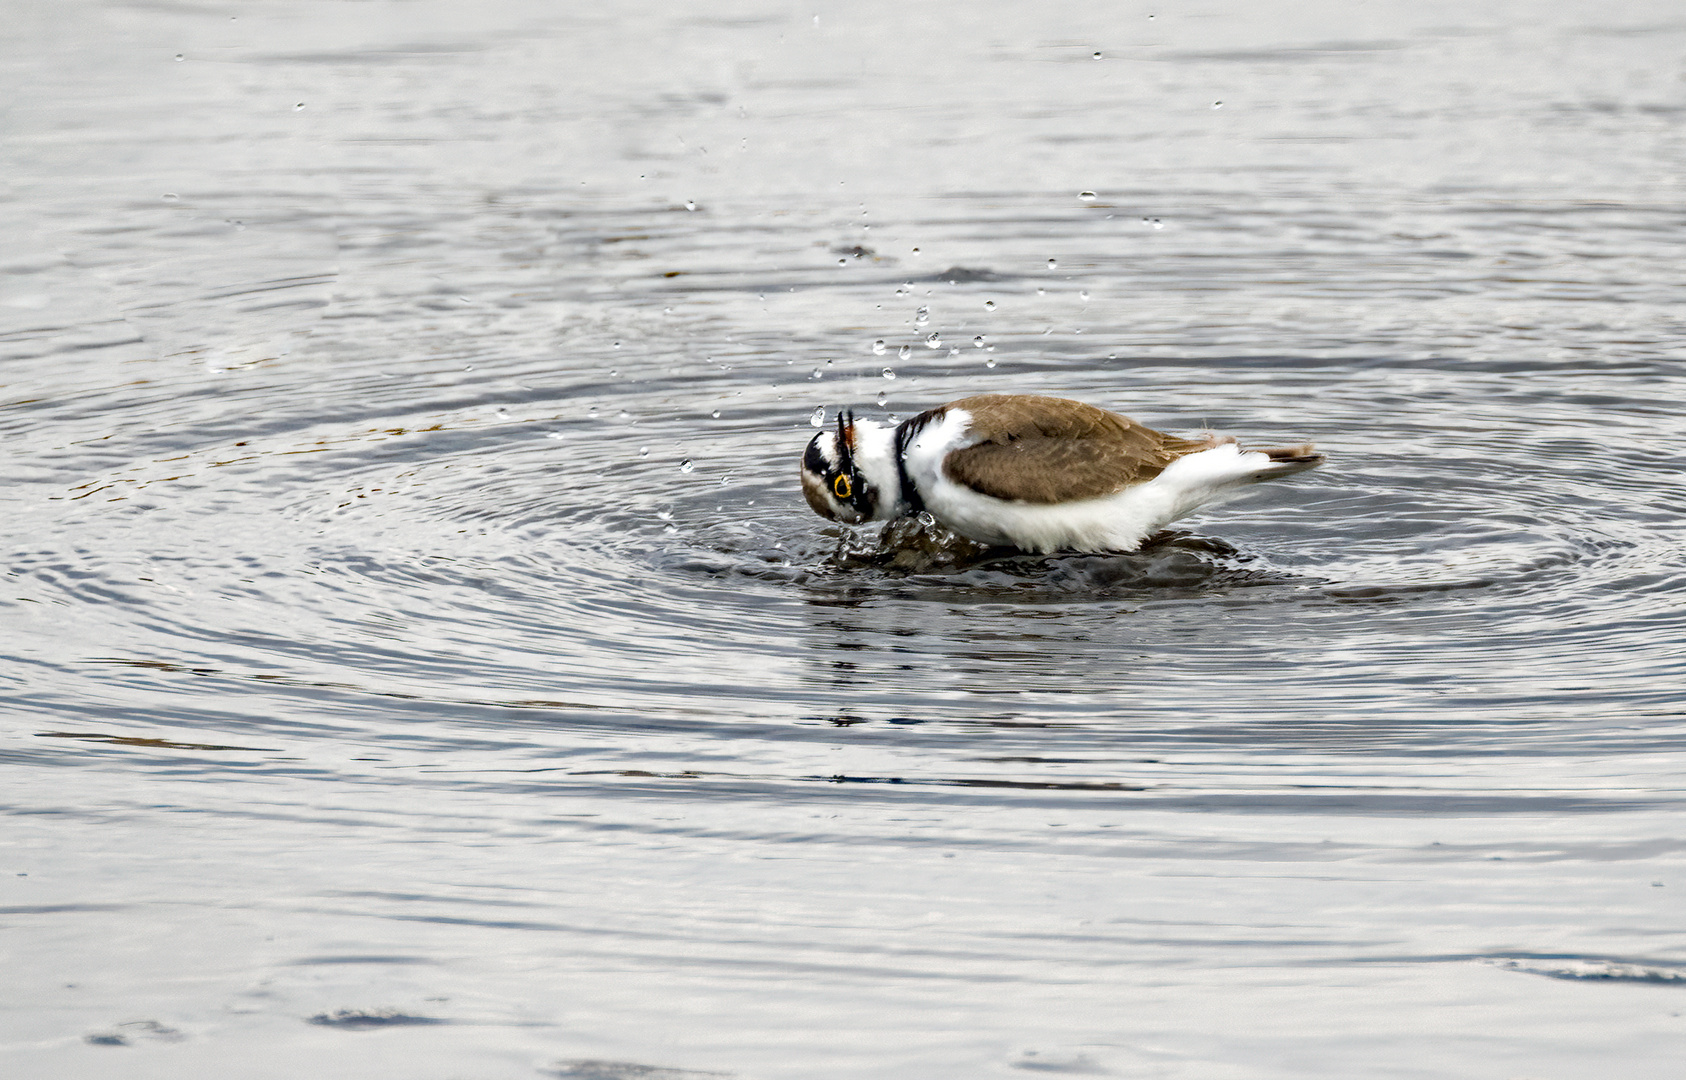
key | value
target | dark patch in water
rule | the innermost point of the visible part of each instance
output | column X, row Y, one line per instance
column 359, row 1020
column 587, row 1069
column 1081, row 1064
column 1026, row 785
column 965, row 275
column 1592, row 969
column 144, row 1029
column 309, row 961
column 132, row 740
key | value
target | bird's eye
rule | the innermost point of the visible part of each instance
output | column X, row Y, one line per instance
column 842, row 487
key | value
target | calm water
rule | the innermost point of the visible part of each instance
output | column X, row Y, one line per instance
column 420, row 662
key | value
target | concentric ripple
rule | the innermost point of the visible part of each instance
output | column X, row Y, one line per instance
column 558, row 514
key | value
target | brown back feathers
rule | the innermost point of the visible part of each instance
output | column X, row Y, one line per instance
column 1051, row 450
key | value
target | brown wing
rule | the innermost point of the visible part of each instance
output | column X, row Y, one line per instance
column 1050, row 450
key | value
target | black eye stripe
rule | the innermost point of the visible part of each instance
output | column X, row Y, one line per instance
column 814, row 459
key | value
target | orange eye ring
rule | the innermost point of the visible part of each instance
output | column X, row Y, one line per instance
column 841, row 486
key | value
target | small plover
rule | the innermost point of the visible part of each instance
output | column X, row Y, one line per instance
column 1040, row 474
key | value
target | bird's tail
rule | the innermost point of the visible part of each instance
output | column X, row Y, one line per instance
column 1288, row 460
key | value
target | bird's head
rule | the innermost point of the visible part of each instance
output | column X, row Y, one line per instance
column 849, row 474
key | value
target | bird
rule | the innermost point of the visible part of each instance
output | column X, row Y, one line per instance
column 1040, row 474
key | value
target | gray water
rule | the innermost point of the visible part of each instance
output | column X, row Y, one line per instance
column 420, row 662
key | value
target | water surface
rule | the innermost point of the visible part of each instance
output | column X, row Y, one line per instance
column 420, row 661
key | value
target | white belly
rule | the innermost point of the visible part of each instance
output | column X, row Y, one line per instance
column 1118, row 522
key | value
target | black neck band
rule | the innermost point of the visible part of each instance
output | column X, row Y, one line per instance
column 904, row 438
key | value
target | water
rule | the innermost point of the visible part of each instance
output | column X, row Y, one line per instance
column 421, row 662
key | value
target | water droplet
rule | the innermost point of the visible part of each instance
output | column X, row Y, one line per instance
column 817, row 417
column 170, row 196
column 299, row 106
column 989, row 305
column 1097, row 55
column 1158, row 224
column 922, row 316
column 715, row 414
column 905, row 351
column 978, row 342
column 926, row 519
column 990, row 362
column 643, row 451
column 180, row 58
column 883, row 399
column 889, row 373
column 1083, row 295
column 1086, row 196
column 617, row 344
column 878, row 347
column 934, row 341
column 1217, row 104
column 686, row 465
column 1053, row 263
column 724, row 480
column 690, row 204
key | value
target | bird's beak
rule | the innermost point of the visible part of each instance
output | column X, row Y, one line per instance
column 846, row 439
